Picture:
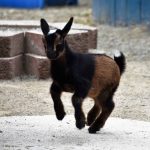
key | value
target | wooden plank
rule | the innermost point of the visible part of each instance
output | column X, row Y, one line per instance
column 95, row 9
column 103, row 13
column 145, row 11
column 134, row 11
column 112, row 10
column 121, row 12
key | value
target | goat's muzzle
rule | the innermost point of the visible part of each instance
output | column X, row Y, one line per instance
column 51, row 55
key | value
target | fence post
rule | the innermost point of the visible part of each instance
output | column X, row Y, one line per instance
column 145, row 11
column 134, row 11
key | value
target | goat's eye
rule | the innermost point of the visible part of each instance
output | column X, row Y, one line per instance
column 60, row 40
column 59, row 47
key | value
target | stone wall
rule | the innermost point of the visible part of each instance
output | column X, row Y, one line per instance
column 22, row 50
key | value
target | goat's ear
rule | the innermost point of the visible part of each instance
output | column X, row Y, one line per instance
column 44, row 26
column 67, row 27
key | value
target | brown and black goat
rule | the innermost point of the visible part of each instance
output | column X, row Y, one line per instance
column 85, row 75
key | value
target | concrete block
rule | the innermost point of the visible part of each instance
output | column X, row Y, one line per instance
column 38, row 66
column 34, row 43
column 11, row 43
column 27, row 24
column 21, row 42
column 92, row 38
column 30, row 25
column 77, row 40
column 11, row 67
column 92, row 32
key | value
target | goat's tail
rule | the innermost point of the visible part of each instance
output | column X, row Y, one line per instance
column 121, row 61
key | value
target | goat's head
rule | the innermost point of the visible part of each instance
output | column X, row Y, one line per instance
column 54, row 43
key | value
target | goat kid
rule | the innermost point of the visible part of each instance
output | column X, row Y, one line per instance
column 85, row 75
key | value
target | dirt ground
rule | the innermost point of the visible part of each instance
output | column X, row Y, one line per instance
column 47, row 133
column 29, row 96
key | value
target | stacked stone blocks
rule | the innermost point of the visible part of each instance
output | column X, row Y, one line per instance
column 22, row 51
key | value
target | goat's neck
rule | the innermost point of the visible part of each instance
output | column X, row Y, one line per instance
column 68, row 51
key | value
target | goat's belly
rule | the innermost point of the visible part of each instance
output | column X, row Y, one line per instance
column 68, row 88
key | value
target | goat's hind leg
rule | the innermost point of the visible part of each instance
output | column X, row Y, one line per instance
column 107, row 108
column 93, row 113
column 56, row 91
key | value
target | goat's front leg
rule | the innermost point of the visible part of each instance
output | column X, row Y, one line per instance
column 56, row 91
column 79, row 115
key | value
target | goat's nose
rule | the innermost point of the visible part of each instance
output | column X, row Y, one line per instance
column 51, row 55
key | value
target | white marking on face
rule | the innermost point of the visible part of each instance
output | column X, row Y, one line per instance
column 57, row 40
column 52, row 31
column 54, row 49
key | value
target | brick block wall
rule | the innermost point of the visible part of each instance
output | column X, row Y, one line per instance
column 34, row 44
column 92, row 32
column 11, row 45
column 22, row 50
column 38, row 66
column 11, row 54
column 11, row 67
column 78, row 41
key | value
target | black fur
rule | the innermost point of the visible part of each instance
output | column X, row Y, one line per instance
column 74, row 72
column 121, row 62
column 45, row 26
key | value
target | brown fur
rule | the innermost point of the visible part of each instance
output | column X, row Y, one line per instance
column 106, row 75
column 98, row 77
column 105, row 82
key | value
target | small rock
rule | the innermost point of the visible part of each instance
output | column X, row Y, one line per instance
column 1, row 131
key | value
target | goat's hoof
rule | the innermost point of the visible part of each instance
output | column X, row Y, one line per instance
column 80, row 124
column 93, row 130
column 60, row 116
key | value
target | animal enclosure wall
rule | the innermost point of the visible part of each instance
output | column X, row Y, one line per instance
column 22, row 51
column 121, row 12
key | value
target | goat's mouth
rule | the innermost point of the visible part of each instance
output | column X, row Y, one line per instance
column 52, row 56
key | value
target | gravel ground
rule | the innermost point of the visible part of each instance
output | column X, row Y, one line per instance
column 47, row 133
column 82, row 14
column 28, row 96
